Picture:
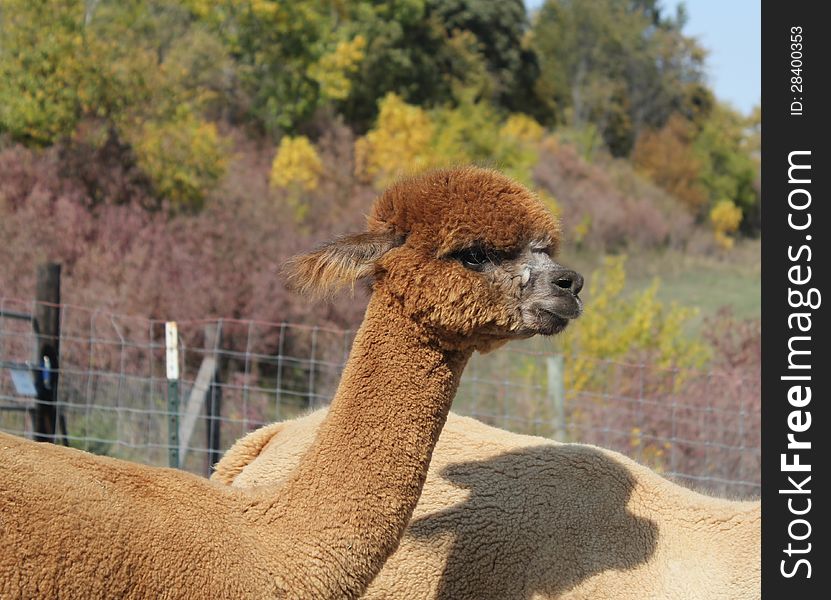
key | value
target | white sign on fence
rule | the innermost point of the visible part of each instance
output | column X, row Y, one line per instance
column 171, row 337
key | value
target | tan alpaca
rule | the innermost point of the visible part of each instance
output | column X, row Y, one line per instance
column 460, row 260
column 515, row 517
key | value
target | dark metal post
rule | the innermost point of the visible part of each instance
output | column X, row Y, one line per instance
column 213, row 405
column 47, row 325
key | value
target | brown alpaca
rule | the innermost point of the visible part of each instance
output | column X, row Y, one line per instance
column 460, row 261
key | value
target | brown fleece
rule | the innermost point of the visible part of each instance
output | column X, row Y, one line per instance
column 514, row 517
column 465, row 206
column 416, row 224
column 79, row 526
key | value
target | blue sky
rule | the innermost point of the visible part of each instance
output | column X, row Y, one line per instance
column 731, row 31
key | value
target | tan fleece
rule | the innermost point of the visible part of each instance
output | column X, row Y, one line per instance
column 507, row 516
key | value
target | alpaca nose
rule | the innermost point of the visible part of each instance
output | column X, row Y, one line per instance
column 569, row 280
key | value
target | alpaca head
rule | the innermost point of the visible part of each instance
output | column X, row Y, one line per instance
column 468, row 253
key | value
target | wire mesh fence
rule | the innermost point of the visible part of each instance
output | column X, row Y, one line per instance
column 699, row 428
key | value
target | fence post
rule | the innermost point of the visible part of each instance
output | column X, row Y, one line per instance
column 556, row 394
column 171, row 335
column 47, row 326
column 214, row 403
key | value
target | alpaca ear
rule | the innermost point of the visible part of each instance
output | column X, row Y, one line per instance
column 338, row 263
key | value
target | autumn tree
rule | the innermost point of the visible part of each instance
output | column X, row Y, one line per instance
column 668, row 158
column 728, row 170
column 290, row 58
column 57, row 69
column 500, row 29
column 409, row 53
column 137, row 72
column 620, row 66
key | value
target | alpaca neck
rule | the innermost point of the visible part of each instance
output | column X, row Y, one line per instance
column 345, row 508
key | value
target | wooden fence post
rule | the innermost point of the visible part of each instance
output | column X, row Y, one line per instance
column 47, row 325
column 557, row 395
column 204, row 392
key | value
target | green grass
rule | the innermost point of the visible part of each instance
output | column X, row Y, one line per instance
column 706, row 283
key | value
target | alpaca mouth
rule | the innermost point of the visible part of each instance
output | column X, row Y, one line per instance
column 550, row 323
column 551, row 317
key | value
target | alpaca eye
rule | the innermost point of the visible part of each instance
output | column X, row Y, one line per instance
column 473, row 258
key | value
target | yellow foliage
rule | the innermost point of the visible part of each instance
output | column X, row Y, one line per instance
column 333, row 69
column 183, row 157
column 407, row 139
column 296, row 164
column 725, row 218
column 399, row 143
column 296, row 169
column 523, row 128
column 264, row 9
column 724, row 241
column 471, row 132
column 618, row 326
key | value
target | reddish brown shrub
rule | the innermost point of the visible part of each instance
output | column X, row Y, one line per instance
column 606, row 206
column 222, row 262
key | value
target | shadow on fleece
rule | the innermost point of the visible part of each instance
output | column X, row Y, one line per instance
column 568, row 484
column 512, row 517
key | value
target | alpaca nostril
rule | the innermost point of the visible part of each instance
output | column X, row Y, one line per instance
column 578, row 284
column 571, row 281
